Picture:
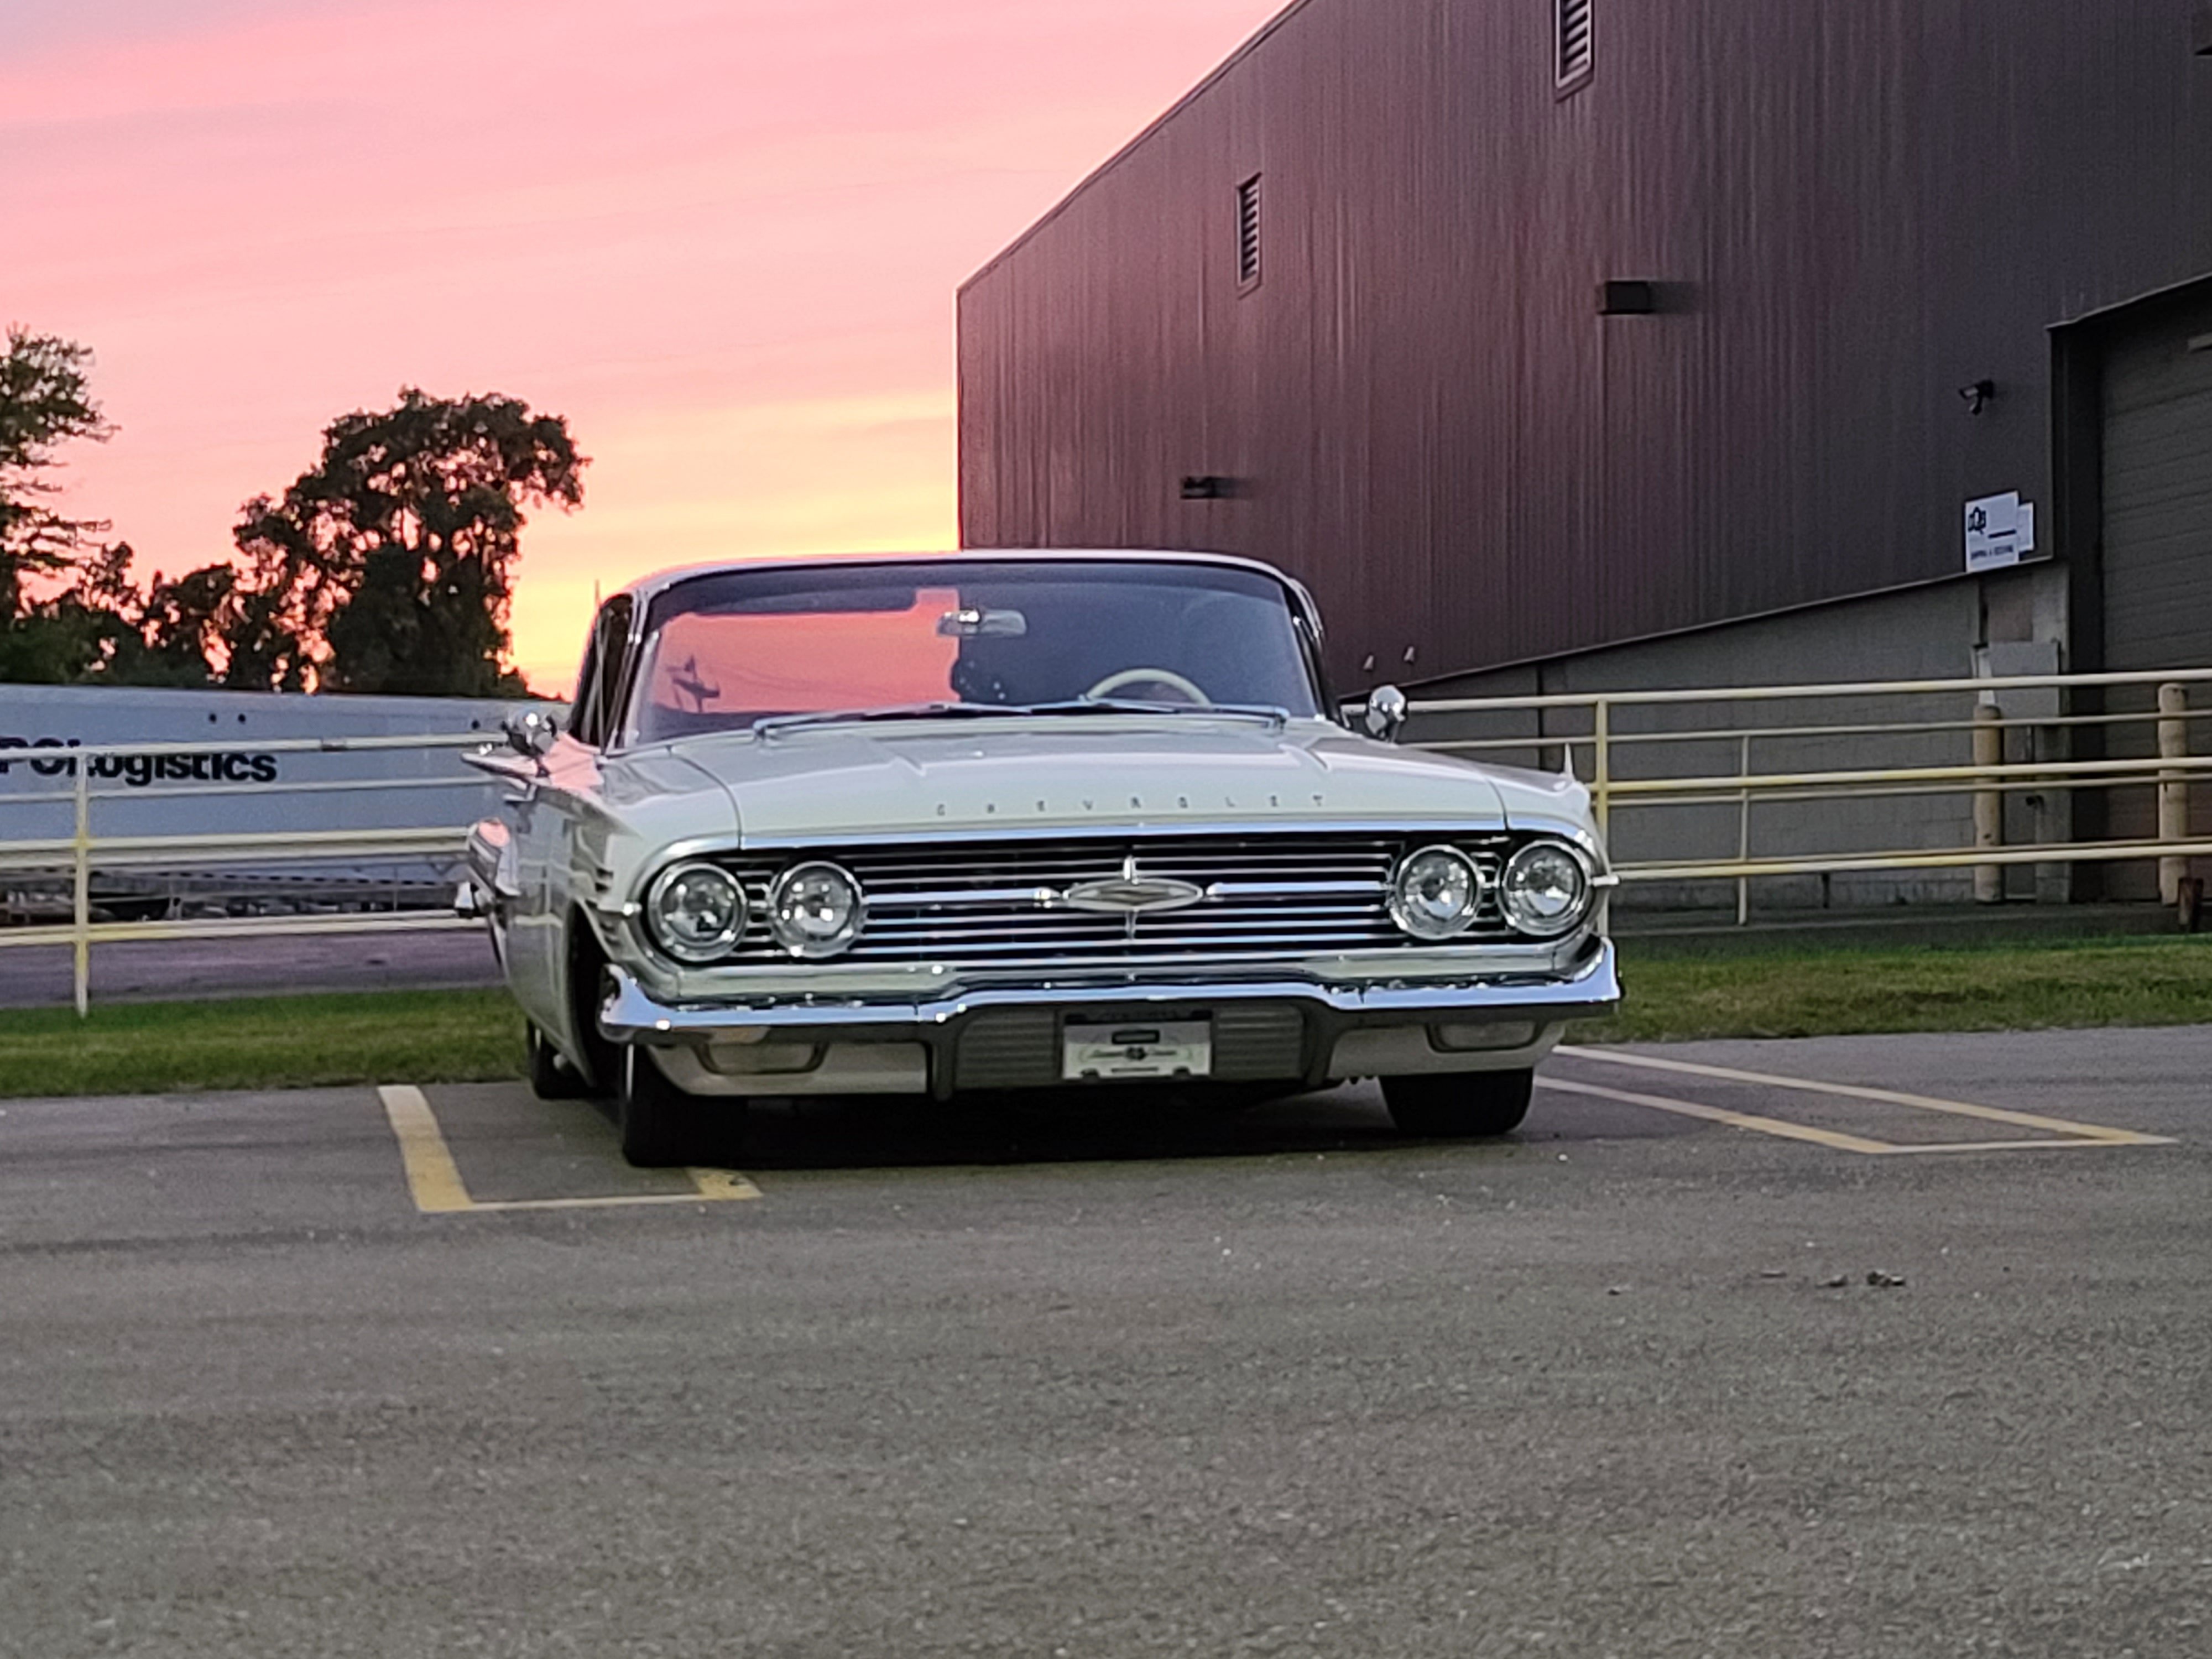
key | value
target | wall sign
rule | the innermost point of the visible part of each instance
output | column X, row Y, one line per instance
column 2000, row 531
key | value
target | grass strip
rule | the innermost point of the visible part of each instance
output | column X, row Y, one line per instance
column 261, row 1042
column 2047, row 985
column 468, row 1036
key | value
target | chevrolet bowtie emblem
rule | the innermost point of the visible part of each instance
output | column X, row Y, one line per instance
column 1134, row 894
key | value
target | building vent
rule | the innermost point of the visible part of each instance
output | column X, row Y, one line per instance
column 1248, row 232
column 1577, row 33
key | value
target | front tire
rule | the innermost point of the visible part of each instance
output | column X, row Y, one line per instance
column 551, row 1077
column 663, row 1126
column 659, row 1122
column 1460, row 1105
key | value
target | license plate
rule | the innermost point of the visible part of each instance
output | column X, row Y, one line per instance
column 1134, row 1050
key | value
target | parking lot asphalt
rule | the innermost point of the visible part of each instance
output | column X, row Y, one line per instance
column 1862, row 1346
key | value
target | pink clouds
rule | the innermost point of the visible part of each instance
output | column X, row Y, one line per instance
column 721, row 237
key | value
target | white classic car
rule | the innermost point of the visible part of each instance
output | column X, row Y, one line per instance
column 1017, row 821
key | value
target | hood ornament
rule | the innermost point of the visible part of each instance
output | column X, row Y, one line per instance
column 1132, row 894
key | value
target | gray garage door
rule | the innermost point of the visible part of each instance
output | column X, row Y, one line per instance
column 2158, row 495
column 2158, row 533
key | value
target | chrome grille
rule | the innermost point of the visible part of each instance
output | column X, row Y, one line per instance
column 1007, row 903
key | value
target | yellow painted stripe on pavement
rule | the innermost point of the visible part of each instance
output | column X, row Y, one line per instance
column 1765, row 1126
column 432, row 1175
column 2072, row 1144
column 434, row 1179
column 2094, row 1133
column 723, row 1186
column 630, row 1202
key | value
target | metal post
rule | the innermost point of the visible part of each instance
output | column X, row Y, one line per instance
column 1989, row 804
column 83, row 912
column 1602, row 765
column 1743, row 835
column 2173, row 788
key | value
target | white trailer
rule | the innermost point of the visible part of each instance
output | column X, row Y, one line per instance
column 243, row 774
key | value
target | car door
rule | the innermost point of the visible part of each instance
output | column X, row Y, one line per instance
column 549, row 813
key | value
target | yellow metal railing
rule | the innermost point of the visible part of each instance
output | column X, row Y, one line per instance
column 1626, row 746
column 83, row 854
column 1620, row 743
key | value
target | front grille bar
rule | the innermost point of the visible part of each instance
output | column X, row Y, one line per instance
column 1007, row 904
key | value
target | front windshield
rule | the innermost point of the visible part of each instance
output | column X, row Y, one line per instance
column 726, row 651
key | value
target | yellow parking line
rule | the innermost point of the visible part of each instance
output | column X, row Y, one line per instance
column 434, row 1180
column 635, row 1202
column 1765, row 1126
column 2072, row 1144
column 2091, row 1134
column 432, row 1175
column 723, row 1186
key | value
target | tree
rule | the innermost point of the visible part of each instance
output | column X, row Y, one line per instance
column 165, row 635
column 272, row 632
column 104, row 629
column 46, row 401
column 398, row 550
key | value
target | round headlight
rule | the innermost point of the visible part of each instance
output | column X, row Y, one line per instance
column 1546, row 890
column 815, row 910
column 696, row 912
column 1437, row 893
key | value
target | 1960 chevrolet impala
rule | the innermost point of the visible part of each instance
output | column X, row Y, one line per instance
column 935, row 825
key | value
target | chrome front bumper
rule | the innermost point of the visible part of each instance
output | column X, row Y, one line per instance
column 1589, row 990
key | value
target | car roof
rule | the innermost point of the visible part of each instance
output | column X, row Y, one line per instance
column 648, row 588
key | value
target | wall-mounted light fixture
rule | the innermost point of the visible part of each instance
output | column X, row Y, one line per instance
column 1627, row 299
column 1208, row 487
column 1978, row 395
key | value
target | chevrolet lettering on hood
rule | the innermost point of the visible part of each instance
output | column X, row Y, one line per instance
column 947, row 825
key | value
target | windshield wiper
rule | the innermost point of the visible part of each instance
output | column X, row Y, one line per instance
column 1140, row 706
column 905, row 711
column 968, row 711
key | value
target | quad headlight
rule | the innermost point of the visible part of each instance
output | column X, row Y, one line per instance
column 816, row 910
column 696, row 912
column 1547, row 889
column 1437, row 893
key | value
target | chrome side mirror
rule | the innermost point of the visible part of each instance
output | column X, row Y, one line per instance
column 530, row 732
column 1386, row 711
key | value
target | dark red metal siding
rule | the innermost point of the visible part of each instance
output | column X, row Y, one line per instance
column 1856, row 207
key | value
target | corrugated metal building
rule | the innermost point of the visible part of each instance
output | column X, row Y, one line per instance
column 1540, row 334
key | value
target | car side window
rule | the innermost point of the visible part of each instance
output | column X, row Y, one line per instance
column 587, row 691
column 614, row 667
column 599, row 688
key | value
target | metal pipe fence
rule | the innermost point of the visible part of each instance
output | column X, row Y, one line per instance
column 1966, row 756
column 296, row 872
column 1996, row 786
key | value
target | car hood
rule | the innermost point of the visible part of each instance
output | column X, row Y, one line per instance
column 832, row 781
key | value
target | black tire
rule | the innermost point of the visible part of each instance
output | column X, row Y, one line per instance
column 551, row 1077
column 1460, row 1105
column 657, row 1121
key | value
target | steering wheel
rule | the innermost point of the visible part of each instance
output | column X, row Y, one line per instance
column 1167, row 677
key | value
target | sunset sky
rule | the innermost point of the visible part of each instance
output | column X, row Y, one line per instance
column 721, row 236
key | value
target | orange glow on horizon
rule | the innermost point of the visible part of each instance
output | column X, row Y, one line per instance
column 723, row 241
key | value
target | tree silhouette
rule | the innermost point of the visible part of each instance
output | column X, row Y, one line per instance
column 46, row 401
column 398, row 550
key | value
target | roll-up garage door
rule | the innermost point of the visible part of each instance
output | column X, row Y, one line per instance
column 2158, row 536
column 2158, row 495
